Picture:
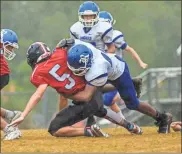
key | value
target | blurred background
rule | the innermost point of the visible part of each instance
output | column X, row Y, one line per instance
column 153, row 29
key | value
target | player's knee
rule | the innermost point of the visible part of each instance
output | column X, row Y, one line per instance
column 52, row 130
column 108, row 98
column 131, row 104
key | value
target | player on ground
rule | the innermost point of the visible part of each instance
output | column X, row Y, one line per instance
column 84, row 59
column 9, row 42
column 51, row 70
column 111, row 98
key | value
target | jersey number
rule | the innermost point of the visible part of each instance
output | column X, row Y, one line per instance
column 63, row 77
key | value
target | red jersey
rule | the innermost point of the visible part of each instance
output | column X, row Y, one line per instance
column 57, row 75
column 4, row 68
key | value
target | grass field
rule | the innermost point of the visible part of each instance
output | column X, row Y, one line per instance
column 119, row 141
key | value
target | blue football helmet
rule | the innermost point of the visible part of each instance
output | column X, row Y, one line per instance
column 80, row 59
column 9, row 41
column 107, row 17
column 88, row 8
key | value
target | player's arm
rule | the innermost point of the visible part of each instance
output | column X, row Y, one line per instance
column 35, row 98
column 136, row 56
column 111, row 48
column 90, row 88
column 72, row 32
column 85, row 95
column 107, row 38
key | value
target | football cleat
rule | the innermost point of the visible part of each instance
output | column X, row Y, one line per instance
column 12, row 133
column 135, row 129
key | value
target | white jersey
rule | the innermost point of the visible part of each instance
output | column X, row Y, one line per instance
column 105, row 66
column 99, row 35
column 118, row 40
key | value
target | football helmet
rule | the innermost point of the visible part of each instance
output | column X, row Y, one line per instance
column 37, row 52
column 9, row 42
column 79, row 59
column 86, row 9
column 107, row 17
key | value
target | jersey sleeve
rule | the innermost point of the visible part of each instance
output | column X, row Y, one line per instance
column 107, row 33
column 37, row 80
column 4, row 68
column 119, row 40
column 73, row 30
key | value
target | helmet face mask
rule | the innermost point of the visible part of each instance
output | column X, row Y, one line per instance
column 86, row 11
column 9, row 51
column 88, row 20
column 80, row 71
column 80, row 59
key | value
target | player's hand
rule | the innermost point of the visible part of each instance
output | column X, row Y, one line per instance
column 65, row 43
column 143, row 65
column 17, row 121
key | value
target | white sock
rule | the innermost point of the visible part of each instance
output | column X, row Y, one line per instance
column 113, row 116
column 120, row 114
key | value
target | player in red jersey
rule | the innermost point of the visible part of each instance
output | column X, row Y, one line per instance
column 50, row 69
column 9, row 42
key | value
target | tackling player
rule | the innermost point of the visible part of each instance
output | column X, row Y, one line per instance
column 121, row 45
column 84, row 59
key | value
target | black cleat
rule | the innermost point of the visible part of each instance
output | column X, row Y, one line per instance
column 90, row 121
column 164, row 123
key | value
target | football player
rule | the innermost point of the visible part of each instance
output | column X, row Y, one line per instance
column 9, row 43
column 90, row 29
column 84, row 59
column 121, row 45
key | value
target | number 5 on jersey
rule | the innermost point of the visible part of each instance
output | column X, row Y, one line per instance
column 63, row 77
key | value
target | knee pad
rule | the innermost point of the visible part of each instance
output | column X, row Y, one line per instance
column 108, row 97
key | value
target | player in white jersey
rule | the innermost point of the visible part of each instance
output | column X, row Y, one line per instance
column 119, row 41
column 90, row 29
column 111, row 98
column 99, row 67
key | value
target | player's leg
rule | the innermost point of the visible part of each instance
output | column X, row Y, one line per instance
column 61, row 125
column 3, row 123
column 110, row 99
column 115, row 117
column 10, row 133
column 126, row 89
column 10, row 116
column 63, row 102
